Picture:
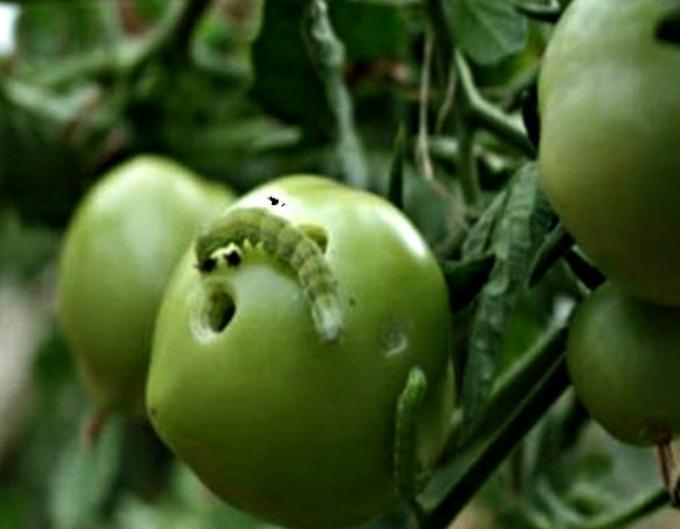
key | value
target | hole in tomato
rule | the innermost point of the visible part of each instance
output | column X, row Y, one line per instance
column 317, row 234
column 219, row 311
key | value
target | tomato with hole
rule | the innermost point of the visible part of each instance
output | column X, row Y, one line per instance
column 610, row 130
column 623, row 359
column 272, row 418
column 122, row 244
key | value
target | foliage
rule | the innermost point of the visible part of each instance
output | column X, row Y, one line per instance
column 243, row 91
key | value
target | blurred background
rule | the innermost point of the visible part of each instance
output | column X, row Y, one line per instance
column 230, row 91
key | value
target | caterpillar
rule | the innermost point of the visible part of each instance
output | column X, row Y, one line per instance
column 287, row 244
column 407, row 475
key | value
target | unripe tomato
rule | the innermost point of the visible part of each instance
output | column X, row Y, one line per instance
column 623, row 359
column 275, row 419
column 126, row 237
column 610, row 131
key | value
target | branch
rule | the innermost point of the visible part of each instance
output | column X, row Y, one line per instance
column 486, row 115
column 519, row 402
column 327, row 54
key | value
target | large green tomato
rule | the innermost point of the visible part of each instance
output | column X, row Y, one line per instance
column 610, row 131
column 126, row 237
column 273, row 417
column 623, row 360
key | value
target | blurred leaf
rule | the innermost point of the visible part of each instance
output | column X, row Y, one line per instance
column 47, row 31
column 526, row 219
column 369, row 30
column 83, row 478
column 465, row 279
column 25, row 250
column 488, row 30
column 285, row 81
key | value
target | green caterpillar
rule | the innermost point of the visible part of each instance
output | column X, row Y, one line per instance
column 408, row 477
column 289, row 245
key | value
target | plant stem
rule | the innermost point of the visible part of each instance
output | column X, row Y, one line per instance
column 327, row 54
column 395, row 184
column 485, row 115
column 519, row 402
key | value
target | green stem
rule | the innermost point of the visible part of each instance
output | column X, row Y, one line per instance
column 327, row 54
column 467, row 169
column 395, row 185
column 519, row 402
column 486, row 115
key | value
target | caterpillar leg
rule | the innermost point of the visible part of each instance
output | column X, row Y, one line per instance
column 407, row 475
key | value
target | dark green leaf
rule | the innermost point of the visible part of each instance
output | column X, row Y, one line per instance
column 465, row 279
column 285, row 82
column 526, row 219
column 488, row 30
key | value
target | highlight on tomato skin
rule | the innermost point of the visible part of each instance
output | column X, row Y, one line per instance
column 271, row 417
column 610, row 129
column 120, row 249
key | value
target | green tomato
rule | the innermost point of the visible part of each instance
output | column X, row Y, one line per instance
column 624, row 363
column 125, row 239
column 610, row 131
column 273, row 418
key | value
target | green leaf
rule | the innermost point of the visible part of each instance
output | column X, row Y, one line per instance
column 465, row 279
column 525, row 221
column 48, row 31
column 488, row 30
column 84, row 478
column 285, row 82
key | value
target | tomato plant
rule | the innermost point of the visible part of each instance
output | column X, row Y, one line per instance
column 275, row 417
column 623, row 361
column 304, row 350
column 120, row 249
column 610, row 126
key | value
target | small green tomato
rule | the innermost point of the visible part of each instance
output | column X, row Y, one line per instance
column 624, row 363
column 301, row 363
column 125, row 239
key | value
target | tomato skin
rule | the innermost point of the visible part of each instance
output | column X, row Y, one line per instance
column 120, row 248
column 272, row 419
column 623, row 359
column 610, row 131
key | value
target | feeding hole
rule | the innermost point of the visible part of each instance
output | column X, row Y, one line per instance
column 219, row 311
column 317, row 234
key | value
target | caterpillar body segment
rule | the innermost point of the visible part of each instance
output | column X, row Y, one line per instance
column 288, row 245
column 406, row 473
